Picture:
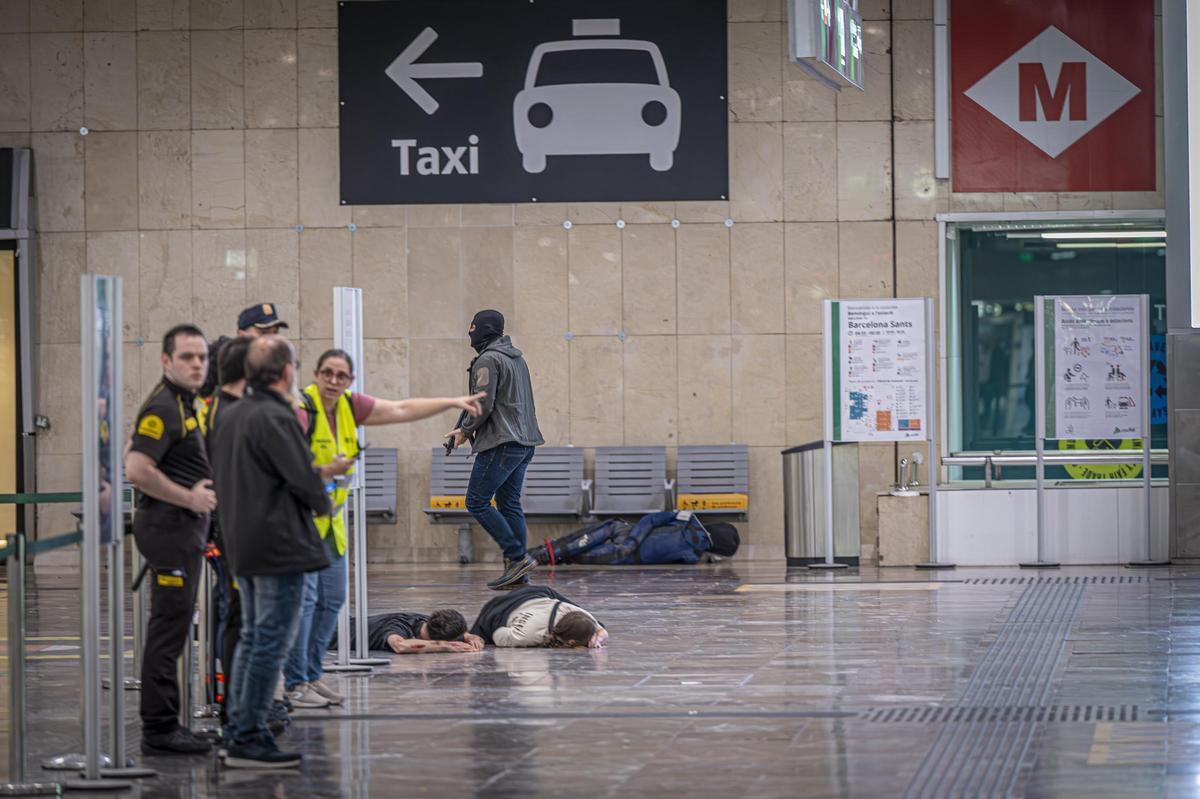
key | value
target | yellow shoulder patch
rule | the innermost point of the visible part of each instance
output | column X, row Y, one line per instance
column 190, row 423
column 151, row 426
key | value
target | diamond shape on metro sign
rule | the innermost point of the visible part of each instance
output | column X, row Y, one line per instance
column 1030, row 92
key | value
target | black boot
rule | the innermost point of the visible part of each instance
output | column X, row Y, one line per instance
column 514, row 570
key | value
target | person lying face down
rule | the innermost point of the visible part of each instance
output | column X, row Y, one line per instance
column 443, row 630
column 538, row 616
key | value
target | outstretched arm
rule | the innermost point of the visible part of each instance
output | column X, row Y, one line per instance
column 416, row 646
column 416, row 408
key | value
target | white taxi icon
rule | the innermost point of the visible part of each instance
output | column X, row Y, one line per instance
column 571, row 104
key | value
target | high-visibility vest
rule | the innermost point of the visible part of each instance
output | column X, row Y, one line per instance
column 325, row 446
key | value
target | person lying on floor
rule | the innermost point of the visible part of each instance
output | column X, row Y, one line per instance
column 537, row 615
column 667, row 537
column 443, row 630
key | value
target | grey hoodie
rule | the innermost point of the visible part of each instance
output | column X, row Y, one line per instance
column 508, row 410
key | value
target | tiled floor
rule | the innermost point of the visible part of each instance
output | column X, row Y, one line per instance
column 742, row 681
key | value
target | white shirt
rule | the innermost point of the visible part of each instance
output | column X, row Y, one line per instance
column 529, row 624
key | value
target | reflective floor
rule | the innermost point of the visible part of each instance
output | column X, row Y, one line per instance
column 740, row 680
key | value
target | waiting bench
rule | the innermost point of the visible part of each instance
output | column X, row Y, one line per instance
column 380, row 467
column 554, row 489
column 631, row 481
column 714, row 480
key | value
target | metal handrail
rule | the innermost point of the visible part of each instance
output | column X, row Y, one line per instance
column 990, row 460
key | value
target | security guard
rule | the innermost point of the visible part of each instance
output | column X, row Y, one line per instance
column 167, row 463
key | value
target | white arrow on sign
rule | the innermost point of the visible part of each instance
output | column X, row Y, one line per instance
column 404, row 72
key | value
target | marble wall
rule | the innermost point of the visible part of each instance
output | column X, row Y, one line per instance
column 213, row 135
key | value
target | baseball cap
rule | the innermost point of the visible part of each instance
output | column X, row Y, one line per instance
column 262, row 315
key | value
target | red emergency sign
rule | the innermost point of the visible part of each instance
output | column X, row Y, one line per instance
column 1053, row 95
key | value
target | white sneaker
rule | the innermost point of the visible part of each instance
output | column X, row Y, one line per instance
column 328, row 693
column 303, row 696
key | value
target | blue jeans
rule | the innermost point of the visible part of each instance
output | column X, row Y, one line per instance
column 500, row 472
column 324, row 595
column 270, row 611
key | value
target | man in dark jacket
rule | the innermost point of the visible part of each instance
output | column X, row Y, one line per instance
column 666, row 537
column 503, row 437
column 269, row 492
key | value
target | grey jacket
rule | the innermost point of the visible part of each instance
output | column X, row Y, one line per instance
column 508, row 410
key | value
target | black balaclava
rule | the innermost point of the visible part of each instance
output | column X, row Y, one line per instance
column 486, row 327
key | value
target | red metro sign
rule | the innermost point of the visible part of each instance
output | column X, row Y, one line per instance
column 1053, row 95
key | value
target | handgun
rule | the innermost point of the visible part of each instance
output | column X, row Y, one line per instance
column 449, row 445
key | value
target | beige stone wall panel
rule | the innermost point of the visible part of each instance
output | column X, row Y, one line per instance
column 810, row 164
column 15, row 112
column 216, row 14
column 164, row 78
column 805, row 389
column 811, row 273
column 594, row 261
column 487, row 272
column 325, row 262
column 649, row 278
column 757, row 283
column 651, row 391
column 755, row 77
column 865, row 259
column 756, row 171
column 317, row 74
column 56, row 81
column 864, row 169
column 705, row 390
column 162, row 15
column 269, row 13
column 56, row 15
column 59, row 181
column 110, row 81
column 320, row 203
column 62, row 259
column 703, row 274
column 874, row 102
column 111, row 181
column 540, row 281
column 435, row 284
column 273, row 275
column 218, row 279
column 219, row 179
column 218, row 79
column 164, row 180
column 381, row 269
column 272, row 178
column 759, row 379
column 271, row 93
column 116, row 254
column 597, row 390
column 165, row 281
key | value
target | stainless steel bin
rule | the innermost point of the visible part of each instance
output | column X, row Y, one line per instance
column 804, row 503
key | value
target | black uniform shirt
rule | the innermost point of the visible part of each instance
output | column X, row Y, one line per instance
column 168, row 432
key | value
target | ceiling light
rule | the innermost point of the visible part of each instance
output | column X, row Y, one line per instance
column 1104, row 234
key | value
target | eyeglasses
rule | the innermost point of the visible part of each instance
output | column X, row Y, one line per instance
column 337, row 377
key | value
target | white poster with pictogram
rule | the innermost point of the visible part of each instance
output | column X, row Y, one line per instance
column 1093, row 364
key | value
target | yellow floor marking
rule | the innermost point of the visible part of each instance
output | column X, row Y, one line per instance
column 777, row 588
column 1128, row 745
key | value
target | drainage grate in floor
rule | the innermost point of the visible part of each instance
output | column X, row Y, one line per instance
column 1075, row 580
column 1043, row 714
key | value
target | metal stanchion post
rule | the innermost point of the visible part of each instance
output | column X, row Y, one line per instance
column 116, row 634
column 140, row 606
column 100, row 306
column 16, row 785
column 1147, row 485
column 1039, row 431
column 935, row 464
column 361, row 644
column 827, row 344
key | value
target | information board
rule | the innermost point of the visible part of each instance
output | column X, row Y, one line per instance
column 1093, row 366
column 878, row 353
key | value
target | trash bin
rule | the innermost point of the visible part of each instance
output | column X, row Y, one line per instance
column 804, row 503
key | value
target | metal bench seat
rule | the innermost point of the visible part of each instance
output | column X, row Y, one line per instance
column 631, row 481
column 713, row 480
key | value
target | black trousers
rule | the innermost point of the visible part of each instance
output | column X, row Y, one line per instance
column 233, row 632
column 172, row 542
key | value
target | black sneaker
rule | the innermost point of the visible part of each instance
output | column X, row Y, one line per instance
column 518, row 583
column 514, row 570
column 260, row 753
column 177, row 742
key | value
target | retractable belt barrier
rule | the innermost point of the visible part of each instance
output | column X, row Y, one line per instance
column 14, row 555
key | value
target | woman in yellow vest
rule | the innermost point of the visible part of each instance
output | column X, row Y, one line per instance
column 331, row 415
